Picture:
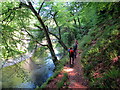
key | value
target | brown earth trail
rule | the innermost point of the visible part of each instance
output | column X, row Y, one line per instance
column 75, row 76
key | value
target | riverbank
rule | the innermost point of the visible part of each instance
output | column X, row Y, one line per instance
column 10, row 62
column 28, row 70
column 57, row 71
column 68, row 77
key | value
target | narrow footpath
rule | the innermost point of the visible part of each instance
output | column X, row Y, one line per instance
column 75, row 76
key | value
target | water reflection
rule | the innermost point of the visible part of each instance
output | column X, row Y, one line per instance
column 29, row 73
column 38, row 73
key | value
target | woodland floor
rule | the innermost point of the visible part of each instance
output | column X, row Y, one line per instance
column 75, row 76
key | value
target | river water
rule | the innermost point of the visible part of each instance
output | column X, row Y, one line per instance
column 28, row 73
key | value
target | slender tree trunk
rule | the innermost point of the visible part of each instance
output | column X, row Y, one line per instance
column 59, row 39
column 58, row 27
column 54, row 58
column 75, row 22
column 62, row 44
column 79, row 22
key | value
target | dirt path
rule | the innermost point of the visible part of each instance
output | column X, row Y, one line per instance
column 75, row 76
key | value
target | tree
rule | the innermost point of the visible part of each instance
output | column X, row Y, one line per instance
column 28, row 5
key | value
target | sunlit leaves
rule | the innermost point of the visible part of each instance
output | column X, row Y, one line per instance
column 12, row 22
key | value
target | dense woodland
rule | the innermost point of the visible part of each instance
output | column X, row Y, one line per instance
column 96, row 26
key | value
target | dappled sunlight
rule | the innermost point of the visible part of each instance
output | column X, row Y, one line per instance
column 60, row 75
column 73, row 73
column 67, row 69
column 76, row 85
column 60, row 44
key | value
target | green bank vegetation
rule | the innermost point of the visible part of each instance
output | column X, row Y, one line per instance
column 58, row 69
column 96, row 26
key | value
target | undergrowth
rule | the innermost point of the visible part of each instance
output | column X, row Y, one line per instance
column 101, row 55
column 63, row 80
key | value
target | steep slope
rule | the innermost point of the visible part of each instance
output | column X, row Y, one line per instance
column 101, row 54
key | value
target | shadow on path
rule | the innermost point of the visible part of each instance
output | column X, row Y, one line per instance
column 75, row 76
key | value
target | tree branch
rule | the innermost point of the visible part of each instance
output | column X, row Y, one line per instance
column 25, row 5
column 58, row 27
column 38, row 27
column 54, row 35
column 54, row 15
column 74, row 18
column 7, row 17
column 60, row 41
column 54, row 18
column 34, row 38
column 40, row 7
column 15, row 8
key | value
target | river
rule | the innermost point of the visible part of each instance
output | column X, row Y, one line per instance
column 29, row 72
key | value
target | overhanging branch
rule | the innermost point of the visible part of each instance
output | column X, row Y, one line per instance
column 40, row 7
column 15, row 8
column 60, row 41
column 54, row 18
column 54, row 35
column 7, row 17
column 38, row 27
column 34, row 38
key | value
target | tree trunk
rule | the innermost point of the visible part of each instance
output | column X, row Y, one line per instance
column 54, row 58
column 62, row 44
column 58, row 27
column 79, row 22
column 75, row 22
column 60, row 41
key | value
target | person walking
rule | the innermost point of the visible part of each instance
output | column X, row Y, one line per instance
column 75, row 48
column 71, row 55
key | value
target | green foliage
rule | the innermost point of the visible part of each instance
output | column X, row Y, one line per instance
column 85, row 42
column 94, row 24
column 100, row 47
column 60, row 84
column 63, row 80
column 110, row 79
column 11, row 33
column 112, row 73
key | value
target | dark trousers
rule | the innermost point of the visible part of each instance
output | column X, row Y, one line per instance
column 75, row 53
column 72, row 59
